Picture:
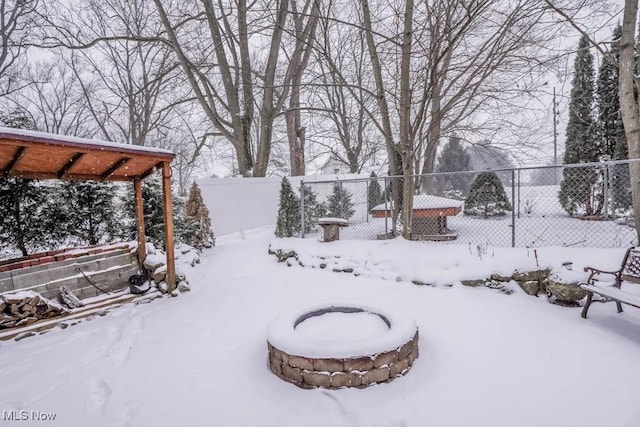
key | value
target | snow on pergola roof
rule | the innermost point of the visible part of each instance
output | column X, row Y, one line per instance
column 38, row 155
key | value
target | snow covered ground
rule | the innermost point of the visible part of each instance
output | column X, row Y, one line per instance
column 486, row 359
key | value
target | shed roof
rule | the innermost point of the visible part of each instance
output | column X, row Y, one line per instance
column 427, row 201
column 38, row 155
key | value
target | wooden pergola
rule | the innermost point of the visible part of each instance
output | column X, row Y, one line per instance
column 37, row 155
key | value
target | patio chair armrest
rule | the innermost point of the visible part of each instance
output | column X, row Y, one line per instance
column 594, row 272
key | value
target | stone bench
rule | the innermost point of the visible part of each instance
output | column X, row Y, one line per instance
column 331, row 227
column 629, row 272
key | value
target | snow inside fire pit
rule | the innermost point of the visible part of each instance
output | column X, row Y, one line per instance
column 337, row 326
column 341, row 346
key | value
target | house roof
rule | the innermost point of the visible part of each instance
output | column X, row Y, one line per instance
column 38, row 155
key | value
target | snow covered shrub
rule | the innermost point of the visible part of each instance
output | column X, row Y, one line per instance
column 89, row 211
column 340, row 204
column 374, row 193
column 454, row 158
column 487, row 196
column 152, row 207
column 581, row 191
column 197, row 213
column 28, row 216
column 288, row 222
column 312, row 210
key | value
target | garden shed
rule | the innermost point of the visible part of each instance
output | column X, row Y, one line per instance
column 37, row 155
column 429, row 216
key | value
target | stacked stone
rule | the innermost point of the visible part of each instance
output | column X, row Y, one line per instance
column 358, row 372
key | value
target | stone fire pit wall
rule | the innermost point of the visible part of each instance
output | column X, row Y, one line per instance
column 356, row 371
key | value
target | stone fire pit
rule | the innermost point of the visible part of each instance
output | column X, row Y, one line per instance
column 341, row 346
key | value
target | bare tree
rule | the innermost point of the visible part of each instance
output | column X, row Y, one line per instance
column 52, row 98
column 238, row 84
column 344, row 124
column 17, row 19
column 225, row 83
column 128, row 75
column 305, row 22
column 435, row 65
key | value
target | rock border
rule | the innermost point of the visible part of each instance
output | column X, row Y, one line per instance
column 331, row 372
column 541, row 281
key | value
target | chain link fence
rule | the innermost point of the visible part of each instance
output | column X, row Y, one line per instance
column 585, row 205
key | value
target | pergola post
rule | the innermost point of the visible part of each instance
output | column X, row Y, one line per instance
column 168, row 226
column 142, row 245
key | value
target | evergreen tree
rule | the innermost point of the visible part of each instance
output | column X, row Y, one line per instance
column 613, row 142
column 454, row 158
column 153, row 210
column 88, row 210
column 196, row 212
column 288, row 222
column 374, row 194
column 610, row 128
column 25, row 222
column 17, row 119
column 581, row 188
column 312, row 210
column 487, row 196
column 340, row 204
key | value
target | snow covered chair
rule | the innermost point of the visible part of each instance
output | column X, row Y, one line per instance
column 629, row 272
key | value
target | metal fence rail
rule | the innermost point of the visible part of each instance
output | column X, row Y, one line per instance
column 582, row 205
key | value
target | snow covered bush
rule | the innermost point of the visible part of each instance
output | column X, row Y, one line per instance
column 288, row 222
column 89, row 211
column 340, row 204
column 487, row 196
column 198, row 215
column 152, row 207
column 374, row 192
column 312, row 210
column 28, row 216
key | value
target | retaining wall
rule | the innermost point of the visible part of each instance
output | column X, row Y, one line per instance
column 109, row 270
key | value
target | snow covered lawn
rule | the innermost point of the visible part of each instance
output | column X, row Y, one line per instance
column 486, row 359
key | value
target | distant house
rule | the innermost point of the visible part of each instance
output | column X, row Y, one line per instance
column 334, row 166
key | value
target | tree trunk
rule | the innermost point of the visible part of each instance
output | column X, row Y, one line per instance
column 628, row 106
column 296, row 137
column 406, row 143
column 268, row 110
column 395, row 161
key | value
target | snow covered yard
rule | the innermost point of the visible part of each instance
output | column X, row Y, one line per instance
column 486, row 359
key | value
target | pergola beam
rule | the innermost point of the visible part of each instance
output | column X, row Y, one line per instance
column 74, row 159
column 19, row 153
column 117, row 165
column 151, row 170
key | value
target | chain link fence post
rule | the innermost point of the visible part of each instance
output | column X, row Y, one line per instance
column 605, row 190
column 386, row 208
column 513, row 209
column 367, row 201
column 518, row 193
